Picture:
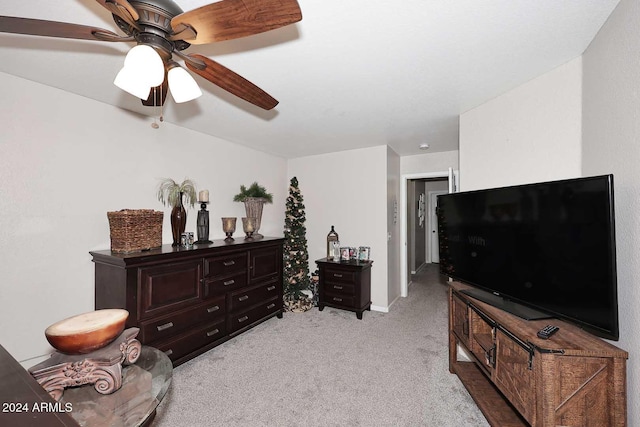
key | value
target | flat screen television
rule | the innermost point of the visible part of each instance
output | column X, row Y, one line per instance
column 536, row 250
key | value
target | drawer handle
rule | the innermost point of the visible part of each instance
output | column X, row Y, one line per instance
column 165, row 326
column 270, row 288
column 337, row 275
column 229, row 282
column 337, row 287
column 242, row 319
column 243, row 298
column 212, row 309
column 270, row 306
column 168, row 352
column 228, row 263
column 337, row 299
column 212, row 333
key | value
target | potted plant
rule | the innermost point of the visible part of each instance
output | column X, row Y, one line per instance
column 171, row 193
column 254, row 198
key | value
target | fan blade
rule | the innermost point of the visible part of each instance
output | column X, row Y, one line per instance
column 38, row 27
column 233, row 83
column 122, row 8
column 232, row 19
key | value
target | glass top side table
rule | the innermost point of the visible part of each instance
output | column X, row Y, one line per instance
column 144, row 385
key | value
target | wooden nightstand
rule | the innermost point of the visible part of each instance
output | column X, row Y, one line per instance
column 345, row 285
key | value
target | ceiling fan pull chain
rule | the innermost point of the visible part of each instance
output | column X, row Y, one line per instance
column 155, row 124
column 161, row 105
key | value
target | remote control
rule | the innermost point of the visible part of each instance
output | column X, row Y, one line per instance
column 547, row 331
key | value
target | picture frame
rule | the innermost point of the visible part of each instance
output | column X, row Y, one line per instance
column 334, row 251
column 364, row 253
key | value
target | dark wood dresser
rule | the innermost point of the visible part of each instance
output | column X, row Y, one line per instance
column 188, row 300
column 345, row 285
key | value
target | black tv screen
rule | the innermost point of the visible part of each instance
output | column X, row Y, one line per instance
column 548, row 246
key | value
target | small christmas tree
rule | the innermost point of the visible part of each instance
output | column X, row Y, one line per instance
column 296, row 254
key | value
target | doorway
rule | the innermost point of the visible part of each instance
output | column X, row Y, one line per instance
column 417, row 225
column 434, row 243
column 420, row 236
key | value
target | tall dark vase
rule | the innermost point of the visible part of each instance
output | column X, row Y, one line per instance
column 178, row 221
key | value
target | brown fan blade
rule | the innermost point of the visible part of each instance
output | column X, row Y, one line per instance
column 38, row 27
column 232, row 19
column 122, row 8
column 233, row 83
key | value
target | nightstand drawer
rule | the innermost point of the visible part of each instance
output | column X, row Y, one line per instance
column 340, row 300
column 250, row 296
column 245, row 318
column 340, row 288
column 224, row 265
column 186, row 343
column 342, row 276
column 167, row 326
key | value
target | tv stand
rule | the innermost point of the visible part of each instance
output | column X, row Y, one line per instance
column 504, row 304
column 517, row 379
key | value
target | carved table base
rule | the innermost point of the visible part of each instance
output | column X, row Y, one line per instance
column 103, row 367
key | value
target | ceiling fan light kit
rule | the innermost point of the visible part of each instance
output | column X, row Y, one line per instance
column 130, row 81
column 182, row 86
column 143, row 69
column 161, row 27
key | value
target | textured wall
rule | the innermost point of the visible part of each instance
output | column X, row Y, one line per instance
column 393, row 226
column 529, row 134
column 347, row 189
column 429, row 162
column 611, row 135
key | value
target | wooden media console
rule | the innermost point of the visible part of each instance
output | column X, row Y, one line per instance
column 517, row 379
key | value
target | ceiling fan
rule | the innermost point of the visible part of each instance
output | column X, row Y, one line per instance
column 163, row 26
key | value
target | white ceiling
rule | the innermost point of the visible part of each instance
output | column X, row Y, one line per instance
column 351, row 74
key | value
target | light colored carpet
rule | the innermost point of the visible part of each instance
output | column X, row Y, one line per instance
column 330, row 369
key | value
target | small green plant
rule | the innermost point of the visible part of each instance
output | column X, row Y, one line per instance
column 254, row 190
column 169, row 192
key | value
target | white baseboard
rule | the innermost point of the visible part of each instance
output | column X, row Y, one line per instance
column 380, row 308
column 394, row 301
column 384, row 309
column 423, row 265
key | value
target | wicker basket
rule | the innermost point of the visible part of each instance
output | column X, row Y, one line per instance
column 135, row 230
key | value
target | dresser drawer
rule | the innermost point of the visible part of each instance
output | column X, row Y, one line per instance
column 188, row 342
column 340, row 288
column 265, row 263
column 169, row 325
column 247, row 317
column 225, row 264
column 169, row 287
column 250, row 296
column 340, row 300
column 341, row 276
column 213, row 286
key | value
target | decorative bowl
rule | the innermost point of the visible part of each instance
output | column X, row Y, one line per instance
column 87, row 332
